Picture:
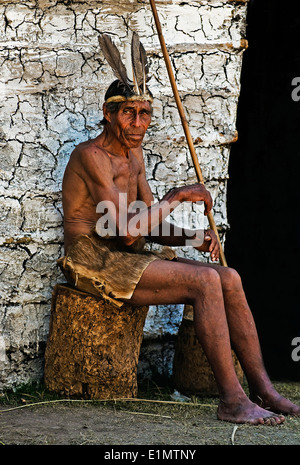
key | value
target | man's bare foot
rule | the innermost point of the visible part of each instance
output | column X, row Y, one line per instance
column 275, row 402
column 246, row 411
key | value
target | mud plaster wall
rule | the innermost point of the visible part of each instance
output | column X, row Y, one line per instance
column 53, row 78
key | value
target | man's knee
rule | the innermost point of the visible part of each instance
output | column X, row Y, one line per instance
column 208, row 277
column 206, row 284
column 230, row 279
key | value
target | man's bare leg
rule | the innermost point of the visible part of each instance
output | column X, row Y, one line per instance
column 245, row 341
column 165, row 282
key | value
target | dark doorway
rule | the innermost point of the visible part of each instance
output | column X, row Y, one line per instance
column 263, row 191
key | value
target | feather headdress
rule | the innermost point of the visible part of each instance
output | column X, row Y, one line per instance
column 135, row 89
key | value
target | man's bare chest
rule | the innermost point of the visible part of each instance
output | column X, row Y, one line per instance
column 125, row 176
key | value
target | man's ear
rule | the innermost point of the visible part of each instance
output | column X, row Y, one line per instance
column 106, row 113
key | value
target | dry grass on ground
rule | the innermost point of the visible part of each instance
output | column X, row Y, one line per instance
column 36, row 418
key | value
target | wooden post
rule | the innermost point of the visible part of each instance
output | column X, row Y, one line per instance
column 93, row 346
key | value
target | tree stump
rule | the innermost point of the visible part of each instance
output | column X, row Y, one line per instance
column 192, row 374
column 93, row 346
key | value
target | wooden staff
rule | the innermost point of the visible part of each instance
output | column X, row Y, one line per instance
column 184, row 122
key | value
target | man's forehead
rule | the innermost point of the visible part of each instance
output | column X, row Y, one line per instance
column 138, row 104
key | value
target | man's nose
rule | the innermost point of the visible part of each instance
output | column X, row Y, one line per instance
column 137, row 122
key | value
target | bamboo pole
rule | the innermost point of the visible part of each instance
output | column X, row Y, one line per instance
column 184, row 121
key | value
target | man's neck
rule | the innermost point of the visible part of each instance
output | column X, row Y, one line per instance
column 112, row 145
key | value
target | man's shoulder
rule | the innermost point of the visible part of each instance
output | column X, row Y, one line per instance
column 87, row 149
column 88, row 154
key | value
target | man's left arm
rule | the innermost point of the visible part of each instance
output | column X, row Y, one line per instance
column 165, row 233
column 168, row 233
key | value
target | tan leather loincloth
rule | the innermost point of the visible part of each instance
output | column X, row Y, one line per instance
column 98, row 266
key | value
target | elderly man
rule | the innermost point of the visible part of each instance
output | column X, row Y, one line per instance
column 104, row 255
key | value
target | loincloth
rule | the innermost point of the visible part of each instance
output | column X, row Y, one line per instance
column 98, row 266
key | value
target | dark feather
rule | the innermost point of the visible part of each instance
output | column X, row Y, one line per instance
column 139, row 62
column 145, row 66
column 113, row 58
column 137, row 67
column 144, row 60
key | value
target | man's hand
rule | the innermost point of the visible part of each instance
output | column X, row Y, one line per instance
column 210, row 245
column 196, row 193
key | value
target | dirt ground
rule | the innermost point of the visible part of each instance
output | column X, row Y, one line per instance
column 32, row 420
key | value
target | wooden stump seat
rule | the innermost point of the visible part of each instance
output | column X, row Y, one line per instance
column 93, row 349
column 93, row 346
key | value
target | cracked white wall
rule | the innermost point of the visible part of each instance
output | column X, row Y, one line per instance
column 53, row 78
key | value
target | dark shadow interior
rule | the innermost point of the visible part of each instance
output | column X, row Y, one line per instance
column 263, row 191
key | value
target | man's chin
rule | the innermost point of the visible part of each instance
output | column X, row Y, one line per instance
column 135, row 138
column 135, row 144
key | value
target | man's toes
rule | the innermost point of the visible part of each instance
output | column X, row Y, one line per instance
column 276, row 420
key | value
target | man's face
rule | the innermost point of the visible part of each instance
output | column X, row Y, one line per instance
column 131, row 122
